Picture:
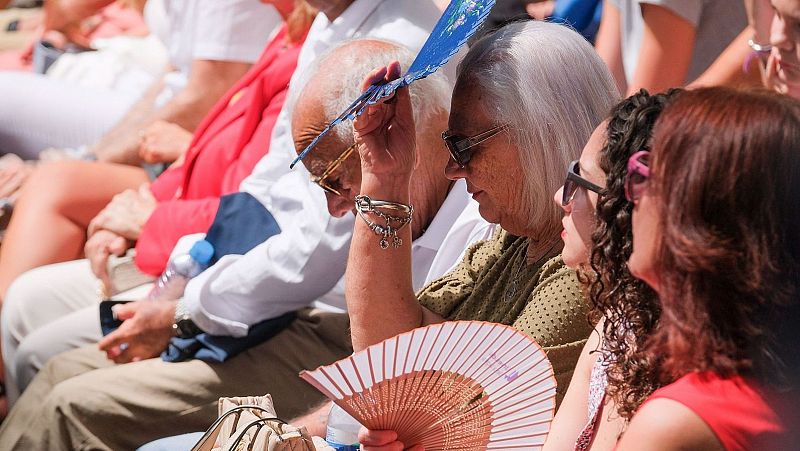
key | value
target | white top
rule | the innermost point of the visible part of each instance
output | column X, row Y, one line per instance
column 307, row 259
column 218, row 30
column 716, row 23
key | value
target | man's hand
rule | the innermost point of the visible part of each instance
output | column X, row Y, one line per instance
column 164, row 142
column 98, row 248
column 144, row 333
column 126, row 214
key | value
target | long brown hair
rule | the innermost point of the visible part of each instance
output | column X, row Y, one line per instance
column 630, row 307
column 726, row 178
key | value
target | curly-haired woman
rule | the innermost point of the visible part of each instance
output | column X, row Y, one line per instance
column 715, row 235
column 597, row 239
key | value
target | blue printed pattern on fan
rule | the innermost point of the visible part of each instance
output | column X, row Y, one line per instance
column 457, row 24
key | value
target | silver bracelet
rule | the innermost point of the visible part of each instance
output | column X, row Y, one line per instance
column 365, row 206
column 759, row 48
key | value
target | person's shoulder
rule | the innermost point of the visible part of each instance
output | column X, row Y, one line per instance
column 666, row 424
column 691, row 11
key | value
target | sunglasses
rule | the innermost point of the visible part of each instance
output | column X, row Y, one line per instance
column 638, row 173
column 322, row 179
column 460, row 147
column 573, row 181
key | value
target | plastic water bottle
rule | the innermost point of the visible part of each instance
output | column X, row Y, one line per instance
column 180, row 269
column 342, row 431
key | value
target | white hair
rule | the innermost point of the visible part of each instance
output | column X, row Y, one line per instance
column 550, row 87
column 429, row 97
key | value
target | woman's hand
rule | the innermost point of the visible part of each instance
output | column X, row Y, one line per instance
column 164, row 142
column 385, row 132
column 382, row 441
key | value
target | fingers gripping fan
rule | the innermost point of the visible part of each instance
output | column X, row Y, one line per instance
column 459, row 385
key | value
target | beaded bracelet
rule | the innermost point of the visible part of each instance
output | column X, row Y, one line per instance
column 365, row 205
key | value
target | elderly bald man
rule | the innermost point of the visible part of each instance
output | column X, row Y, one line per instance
column 81, row 400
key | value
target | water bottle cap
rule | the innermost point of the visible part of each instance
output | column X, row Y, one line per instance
column 202, row 251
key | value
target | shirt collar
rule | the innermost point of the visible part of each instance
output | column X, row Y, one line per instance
column 454, row 204
column 348, row 24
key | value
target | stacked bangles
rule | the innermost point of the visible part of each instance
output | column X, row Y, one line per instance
column 366, row 206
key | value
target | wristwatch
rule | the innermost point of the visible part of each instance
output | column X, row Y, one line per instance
column 184, row 327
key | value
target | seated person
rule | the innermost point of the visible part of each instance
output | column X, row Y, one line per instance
column 315, row 337
column 63, row 23
column 607, row 388
column 503, row 145
column 782, row 73
column 660, row 44
column 715, row 235
column 214, row 68
column 183, row 200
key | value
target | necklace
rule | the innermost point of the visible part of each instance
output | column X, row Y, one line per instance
column 511, row 290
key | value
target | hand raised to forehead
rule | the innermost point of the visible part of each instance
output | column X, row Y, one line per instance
column 385, row 133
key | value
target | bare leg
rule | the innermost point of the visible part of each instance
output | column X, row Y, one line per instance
column 53, row 211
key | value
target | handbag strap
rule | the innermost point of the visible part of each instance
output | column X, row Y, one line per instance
column 260, row 423
column 206, row 442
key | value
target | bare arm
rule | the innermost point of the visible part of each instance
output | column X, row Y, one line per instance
column 727, row 69
column 572, row 415
column 609, row 43
column 667, row 425
column 316, row 421
column 209, row 80
column 666, row 51
column 380, row 296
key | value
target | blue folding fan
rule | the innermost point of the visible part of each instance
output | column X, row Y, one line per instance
column 457, row 24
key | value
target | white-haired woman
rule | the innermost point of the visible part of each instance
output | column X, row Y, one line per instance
column 526, row 100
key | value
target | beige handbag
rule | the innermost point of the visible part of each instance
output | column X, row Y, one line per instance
column 250, row 424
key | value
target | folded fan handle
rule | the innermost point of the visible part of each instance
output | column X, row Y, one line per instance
column 206, row 442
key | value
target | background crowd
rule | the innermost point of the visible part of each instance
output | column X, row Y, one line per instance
column 660, row 275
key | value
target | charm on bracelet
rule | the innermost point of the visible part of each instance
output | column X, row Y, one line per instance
column 365, row 206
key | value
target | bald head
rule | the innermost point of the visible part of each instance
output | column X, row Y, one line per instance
column 335, row 82
column 330, row 88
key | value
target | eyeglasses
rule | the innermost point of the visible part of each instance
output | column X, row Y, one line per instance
column 574, row 181
column 638, row 173
column 321, row 180
column 460, row 146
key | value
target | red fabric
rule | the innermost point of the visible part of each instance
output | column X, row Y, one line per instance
column 742, row 415
column 224, row 150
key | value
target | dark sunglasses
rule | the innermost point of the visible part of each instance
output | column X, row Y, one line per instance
column 574, row 181
column 460, row 147
column 638, row 173
column 322, row 180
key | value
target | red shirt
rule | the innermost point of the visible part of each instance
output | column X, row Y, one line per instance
column 741, row 414
column 224, row 150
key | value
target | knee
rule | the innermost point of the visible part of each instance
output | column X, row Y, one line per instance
column 52, row 185
column 19, row 300
column 73, row 398
column 29, row 358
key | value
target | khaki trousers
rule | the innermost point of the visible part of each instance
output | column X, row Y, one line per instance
column 82, row 401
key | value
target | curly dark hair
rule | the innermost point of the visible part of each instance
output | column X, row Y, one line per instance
column 630, row 307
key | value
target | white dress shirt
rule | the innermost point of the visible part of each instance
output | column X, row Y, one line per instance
column 306, row 260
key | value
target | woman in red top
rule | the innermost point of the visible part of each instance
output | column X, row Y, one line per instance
column 715, row 233
column 52, row 225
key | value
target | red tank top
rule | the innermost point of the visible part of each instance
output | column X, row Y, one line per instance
column 742, row 415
